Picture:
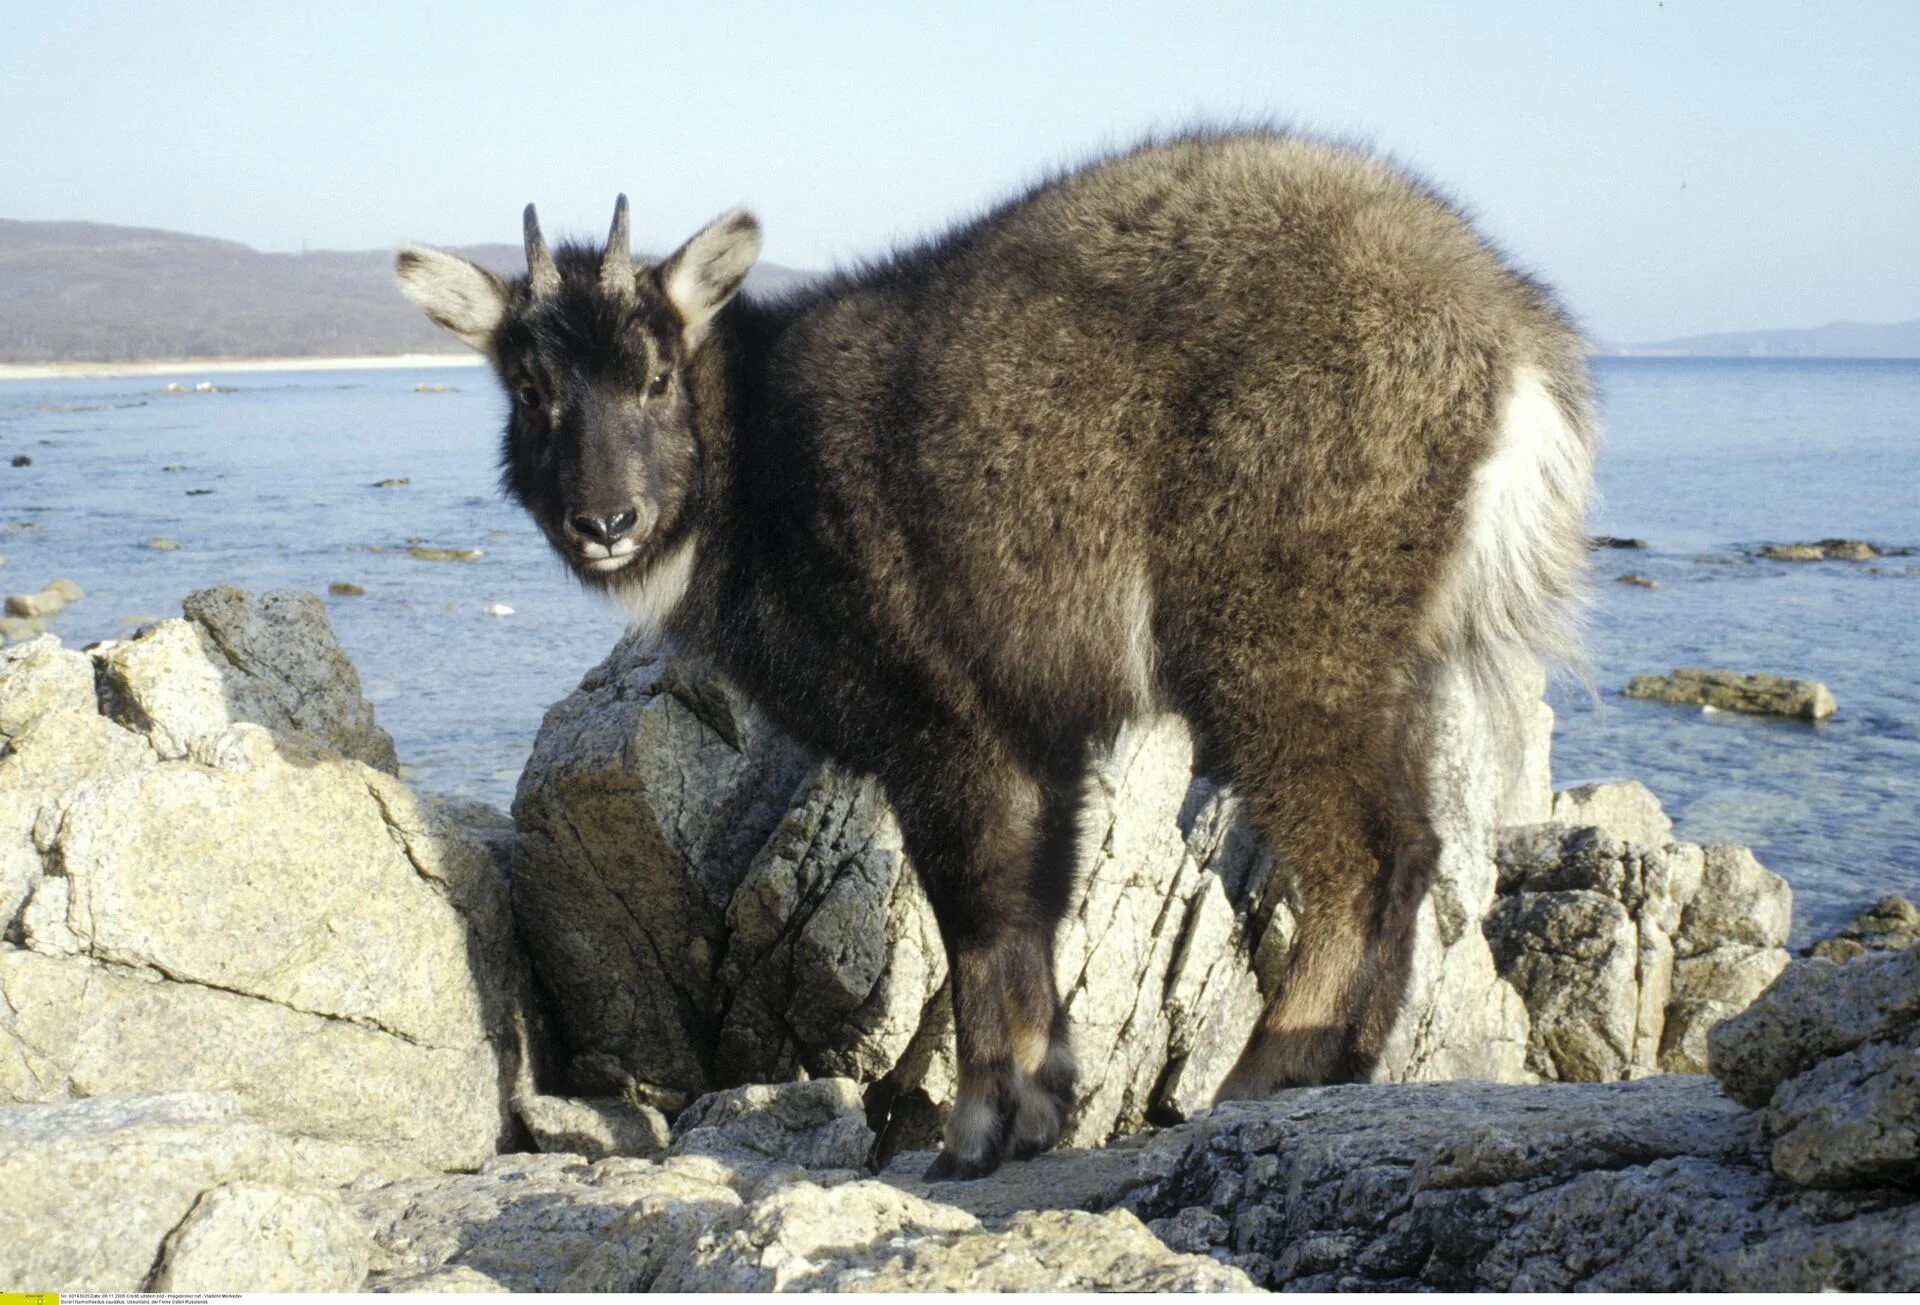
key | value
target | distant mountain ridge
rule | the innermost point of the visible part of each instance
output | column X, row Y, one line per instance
column 90, row 292
column 1834, row 340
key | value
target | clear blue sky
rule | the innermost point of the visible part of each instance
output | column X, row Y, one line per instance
column 1674, row 167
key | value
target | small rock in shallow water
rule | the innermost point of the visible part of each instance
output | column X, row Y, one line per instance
column 67, row 589
column 1766, row 695
column 1615, row 541
column 344, row 589
column 161, row 544
column 428, row 553
column 1643, row 581
column 498, row 609
column 196, row 493
column 1821, row 550
column 22, row 460
column 1891, row 924
column 174, row 466
column 44, row 603
column 392, row 482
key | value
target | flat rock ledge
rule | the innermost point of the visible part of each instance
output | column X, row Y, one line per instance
column 1662, row 1183
column 1763, row 695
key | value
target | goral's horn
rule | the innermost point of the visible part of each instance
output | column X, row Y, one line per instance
column 543, row 278
column 616, row 265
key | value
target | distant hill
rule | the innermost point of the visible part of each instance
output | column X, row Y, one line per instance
column 87, row 292
column 1834, row 340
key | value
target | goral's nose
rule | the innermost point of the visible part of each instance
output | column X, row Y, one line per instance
column 604, row 529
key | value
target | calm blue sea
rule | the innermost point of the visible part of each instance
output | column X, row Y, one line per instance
column 1704, row 459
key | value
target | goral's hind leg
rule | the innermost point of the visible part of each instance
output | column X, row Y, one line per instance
column 1350, row 823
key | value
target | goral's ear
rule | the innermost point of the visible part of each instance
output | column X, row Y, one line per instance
column 460, row 296
column 706, row 271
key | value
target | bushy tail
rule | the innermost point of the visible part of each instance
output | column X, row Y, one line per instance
column 1518, row 582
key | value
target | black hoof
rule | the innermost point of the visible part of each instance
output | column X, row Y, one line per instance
column 948, row 1167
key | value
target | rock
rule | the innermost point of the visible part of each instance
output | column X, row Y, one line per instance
column 709, row 908
column 174, row 467
column 272, row 660
column 392, row 482
column 346, row 589
column 90, row 1190
column 1627, row 809
column 1891, row 924
column 1731, row 691
column 18, row 629
column 595, row 1128
column 1625, row 953
column 429, row 553
column 497, row 609
column 1852, row 1120
column 252, row 1237
column 44, row 603
column 1815, row 1010
column 871, row 1237
column 703, row 1223
column 820, row 1124
column 1644, row 582
column 1656, row 1185
column 1832, row 1051
column 342, row 953
column 22, row 460
column 67, row 590
column 1847, row 550
column 161, row 544
column 1614, row 541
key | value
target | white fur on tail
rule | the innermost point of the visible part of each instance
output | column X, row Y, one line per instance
column 1519, row 576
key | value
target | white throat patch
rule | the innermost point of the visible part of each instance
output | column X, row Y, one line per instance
column 652, row 598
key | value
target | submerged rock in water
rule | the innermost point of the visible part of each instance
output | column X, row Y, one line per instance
column 1845, row 550
column 1767, row 695
column 1890, row 924
column 43, row 604
column 1614, row 541
column 161, row 544
column 1642, row 581
column 429, row 553
column 346, row 589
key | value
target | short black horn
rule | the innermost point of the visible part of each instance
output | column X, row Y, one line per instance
column 543, row 278
column 616, row 265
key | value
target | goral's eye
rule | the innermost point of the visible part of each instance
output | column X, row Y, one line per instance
column 658, row 385
column 528, row 395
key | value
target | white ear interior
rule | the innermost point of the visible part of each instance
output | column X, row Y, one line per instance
column 706, row 271
column 462, row 297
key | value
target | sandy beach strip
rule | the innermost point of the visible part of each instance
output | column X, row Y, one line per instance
column 212, row 366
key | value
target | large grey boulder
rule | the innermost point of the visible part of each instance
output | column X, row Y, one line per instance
column 1832, row 1053
column 204, row 884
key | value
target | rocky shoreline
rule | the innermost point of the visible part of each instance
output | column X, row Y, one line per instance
column 272, row 1021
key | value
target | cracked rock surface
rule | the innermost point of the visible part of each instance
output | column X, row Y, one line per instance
column 211, row 880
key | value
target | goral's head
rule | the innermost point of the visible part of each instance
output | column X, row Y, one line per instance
column 602, row 442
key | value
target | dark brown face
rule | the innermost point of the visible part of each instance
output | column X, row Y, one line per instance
column 600, row 447
column 602, row 443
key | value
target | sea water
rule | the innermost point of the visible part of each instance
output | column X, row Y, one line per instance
column 269, row 481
